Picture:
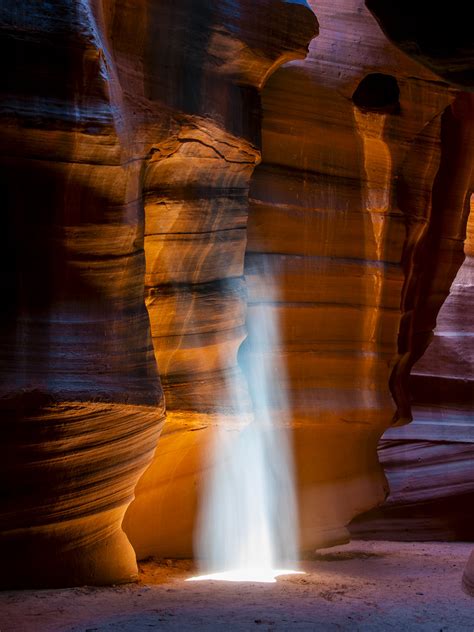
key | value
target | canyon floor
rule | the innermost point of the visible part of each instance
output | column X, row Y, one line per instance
column 360, row 586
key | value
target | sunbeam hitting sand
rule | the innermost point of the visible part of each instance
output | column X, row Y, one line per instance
column 248, row 524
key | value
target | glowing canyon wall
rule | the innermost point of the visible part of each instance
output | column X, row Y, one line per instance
column 169, row 170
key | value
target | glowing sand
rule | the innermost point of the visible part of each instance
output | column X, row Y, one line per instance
column 260, row 575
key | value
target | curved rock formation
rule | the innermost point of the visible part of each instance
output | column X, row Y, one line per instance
column 131, row 131
column 196, row 205
column 434, row 248
column 430, row 463
column 81, row 404
column 364, row 171
column 122, row 102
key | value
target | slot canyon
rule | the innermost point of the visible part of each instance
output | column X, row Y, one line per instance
column 181, row 178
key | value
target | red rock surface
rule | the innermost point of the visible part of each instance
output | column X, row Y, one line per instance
column 81, row 402
column 112, row 106
column 196, row 207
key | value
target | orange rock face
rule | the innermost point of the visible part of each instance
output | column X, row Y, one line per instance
column 130, row 131
column 196, row 208
column 430, row 462
column 357, row 214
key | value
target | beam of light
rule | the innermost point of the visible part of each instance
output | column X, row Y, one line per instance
column 247, row 530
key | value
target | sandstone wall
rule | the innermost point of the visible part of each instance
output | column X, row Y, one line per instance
column 196, row 207
column 357, row 217
column 81, row 401
column 430, row 463
column 115, row 111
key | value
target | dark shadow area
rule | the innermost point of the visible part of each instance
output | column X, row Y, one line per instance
column 438, row 35
column 378, row 92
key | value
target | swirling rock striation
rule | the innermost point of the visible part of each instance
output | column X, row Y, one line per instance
column 131, row 131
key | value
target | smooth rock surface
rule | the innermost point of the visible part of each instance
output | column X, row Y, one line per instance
column 430, row 463
column 81, row 405
column 130, row 136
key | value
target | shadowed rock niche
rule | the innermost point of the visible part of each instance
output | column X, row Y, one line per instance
column 212, row 59
column 356, row 215
column 437, row 35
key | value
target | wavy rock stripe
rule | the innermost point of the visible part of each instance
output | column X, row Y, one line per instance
column 434, row 247
column 130, row 134
column 195, row 233
column 72, row 469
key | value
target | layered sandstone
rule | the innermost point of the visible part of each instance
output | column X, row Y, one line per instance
column 113, row 106
column 430, row 463
column 81, row 402
column 196, row 207
column 357, row 216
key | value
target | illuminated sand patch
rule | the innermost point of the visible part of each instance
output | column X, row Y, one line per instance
column 258, row 575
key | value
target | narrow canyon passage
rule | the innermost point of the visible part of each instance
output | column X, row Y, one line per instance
column 236, row 328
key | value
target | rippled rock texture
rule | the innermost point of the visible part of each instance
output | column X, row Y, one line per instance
column 81, row 404
column 130, row 133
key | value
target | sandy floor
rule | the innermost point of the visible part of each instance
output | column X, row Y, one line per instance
column 362, row 586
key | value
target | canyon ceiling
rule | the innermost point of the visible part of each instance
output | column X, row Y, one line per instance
column 171, row 169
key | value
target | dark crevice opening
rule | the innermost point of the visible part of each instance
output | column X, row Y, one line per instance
column 377, row 92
